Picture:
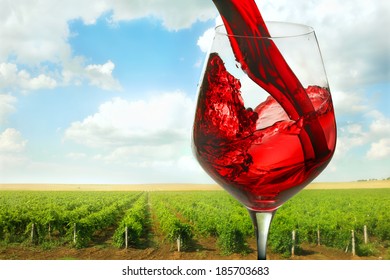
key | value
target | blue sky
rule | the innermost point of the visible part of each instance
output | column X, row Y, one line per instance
column 104, row 91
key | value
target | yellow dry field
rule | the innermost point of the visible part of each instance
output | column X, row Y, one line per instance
column 178, row 187
column 374, row 184
column 108, row 187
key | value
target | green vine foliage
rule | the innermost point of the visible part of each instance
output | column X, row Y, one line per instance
column 136, row 222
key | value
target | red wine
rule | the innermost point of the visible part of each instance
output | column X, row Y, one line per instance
column 261, row 156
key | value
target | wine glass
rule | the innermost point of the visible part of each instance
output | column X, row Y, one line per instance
column 250, row 142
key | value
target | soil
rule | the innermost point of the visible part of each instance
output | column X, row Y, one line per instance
column 204, row 250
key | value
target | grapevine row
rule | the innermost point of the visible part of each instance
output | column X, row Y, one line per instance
column 216, row 216
column 99, row 220
column 133, row 224
column 332, row 215
column 171, row 226
column 36, row 217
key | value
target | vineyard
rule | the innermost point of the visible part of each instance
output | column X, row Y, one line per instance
column 354, row 221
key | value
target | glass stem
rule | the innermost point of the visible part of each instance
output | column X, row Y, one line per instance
column 261, row 222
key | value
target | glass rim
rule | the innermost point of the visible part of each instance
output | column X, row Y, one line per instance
column 299, row 30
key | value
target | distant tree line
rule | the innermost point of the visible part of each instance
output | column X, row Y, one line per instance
column 373, row 179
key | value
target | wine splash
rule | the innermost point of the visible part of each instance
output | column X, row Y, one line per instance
column 273, row 74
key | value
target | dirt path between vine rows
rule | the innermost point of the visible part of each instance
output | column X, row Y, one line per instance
column 207, row 251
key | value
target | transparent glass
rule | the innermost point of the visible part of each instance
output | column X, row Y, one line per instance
column 246, row 141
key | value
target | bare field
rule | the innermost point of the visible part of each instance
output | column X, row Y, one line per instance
column 378, row 184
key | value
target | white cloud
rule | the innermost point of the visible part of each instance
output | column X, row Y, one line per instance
column 349, row 102
column 7, row 102
column 380, row 135
column 100, row 75
column 204, row 41
column 35, row 32
column 12, row 153
column 11, row 77
column 11, row 141
column 350, row 137
column 362, row 151
column 379, row 149
column 355, row 129
column 41, row 81
column 381, row 126
column 76, row 156
column 38, row 31
column 174, row 14
column 143, row 155
column 12, row 148
column 161, row 119
column 374, row 138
